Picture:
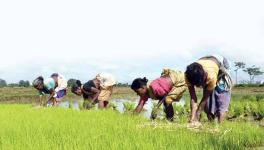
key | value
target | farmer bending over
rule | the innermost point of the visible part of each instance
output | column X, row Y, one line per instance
column 98, row 90
column 56, row 86
column 210, row 73
column 167, row 89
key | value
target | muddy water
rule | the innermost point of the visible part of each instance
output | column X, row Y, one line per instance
column 147, row 108
column 120, row 107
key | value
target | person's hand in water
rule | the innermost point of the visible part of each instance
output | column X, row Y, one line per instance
column 154, row 113
column 88, row 104
column 93, row 102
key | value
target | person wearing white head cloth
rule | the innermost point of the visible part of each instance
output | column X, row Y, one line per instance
column 107, row 81
column 97, row 90
column 61, row 86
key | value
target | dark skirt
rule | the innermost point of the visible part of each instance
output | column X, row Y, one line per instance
column 218, row 102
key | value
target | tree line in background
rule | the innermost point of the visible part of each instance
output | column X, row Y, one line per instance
column 21, row 83
column 252, row 71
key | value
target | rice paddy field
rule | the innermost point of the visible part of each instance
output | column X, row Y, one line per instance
column 25, row 125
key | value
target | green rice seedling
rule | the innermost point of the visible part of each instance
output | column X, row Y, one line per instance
column 231, row 111
column 249, row 97
column 87, row 104
column 24, row 127
column 238, row 110
column 203, row 117
column 187, row 108
column 259, row 97
column 180, row 114
column 179, row 110
column 247, row 109
column 112, row 106
column 128, row 106
column 154, row 104
column 80, row 105
column 253, row 108
column 260, row 110
column 70, row 105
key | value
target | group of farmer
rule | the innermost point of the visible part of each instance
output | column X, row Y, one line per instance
column 97, row 90
column 209, row 73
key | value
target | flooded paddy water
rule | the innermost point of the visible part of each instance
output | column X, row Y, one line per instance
column 119, row 105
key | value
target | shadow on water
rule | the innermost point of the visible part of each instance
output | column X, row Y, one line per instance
column 119, row 106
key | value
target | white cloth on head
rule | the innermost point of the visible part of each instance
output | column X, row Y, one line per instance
column 222, row 60
column 106, row 79
column 62, row 83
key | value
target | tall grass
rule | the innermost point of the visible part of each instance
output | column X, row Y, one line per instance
column 24, row 127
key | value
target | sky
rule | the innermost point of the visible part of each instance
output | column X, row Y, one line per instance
column 129, row 39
